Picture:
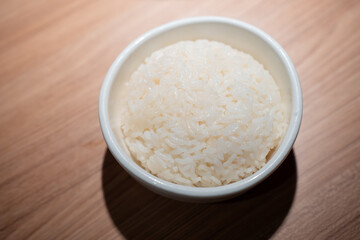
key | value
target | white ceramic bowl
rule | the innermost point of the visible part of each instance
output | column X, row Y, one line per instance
column 237, row 34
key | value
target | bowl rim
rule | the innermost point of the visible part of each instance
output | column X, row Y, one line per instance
column 201, row 192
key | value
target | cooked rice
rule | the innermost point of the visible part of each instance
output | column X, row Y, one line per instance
column 200, row 113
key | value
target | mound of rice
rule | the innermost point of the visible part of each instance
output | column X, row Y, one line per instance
column 200, row 113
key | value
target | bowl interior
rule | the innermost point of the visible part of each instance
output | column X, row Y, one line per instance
column 245, row 38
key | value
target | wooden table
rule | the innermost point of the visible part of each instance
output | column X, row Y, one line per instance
column 59, row 181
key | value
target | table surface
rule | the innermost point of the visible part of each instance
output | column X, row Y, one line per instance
column 59, row 181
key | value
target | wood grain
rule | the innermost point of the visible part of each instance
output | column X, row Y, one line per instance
column 58, row 180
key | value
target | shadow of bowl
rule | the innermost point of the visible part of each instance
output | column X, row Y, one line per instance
column 141, row 214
